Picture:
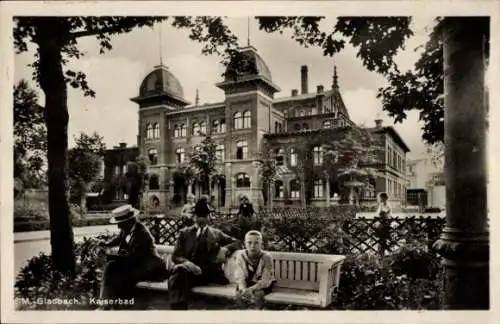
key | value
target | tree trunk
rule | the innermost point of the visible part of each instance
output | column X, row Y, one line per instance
column 53, row 84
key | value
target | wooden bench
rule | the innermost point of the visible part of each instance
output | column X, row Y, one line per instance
column 302, row 279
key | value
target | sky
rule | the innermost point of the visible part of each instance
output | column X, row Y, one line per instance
column 116, row 76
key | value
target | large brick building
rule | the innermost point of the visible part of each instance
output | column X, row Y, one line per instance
column 170, row 128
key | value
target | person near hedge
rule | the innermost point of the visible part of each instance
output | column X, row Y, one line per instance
column 253, row 271
column 384, row 212
column 246, row 207
column 198, row 256
column 136, row 260
column 384, row 209
column 187, row 210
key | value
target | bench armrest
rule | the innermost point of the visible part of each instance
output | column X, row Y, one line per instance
column 329, row 277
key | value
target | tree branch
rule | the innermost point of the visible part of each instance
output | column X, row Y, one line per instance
column 106, row 30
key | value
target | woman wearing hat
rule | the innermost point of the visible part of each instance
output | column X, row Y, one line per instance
column 137, row 259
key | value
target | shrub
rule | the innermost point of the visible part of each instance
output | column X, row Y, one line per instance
column 39, row 280
column 368, row 282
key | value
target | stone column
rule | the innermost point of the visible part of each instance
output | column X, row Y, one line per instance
column 464, row 243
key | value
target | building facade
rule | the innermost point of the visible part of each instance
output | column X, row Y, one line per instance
column 170, row 129
column 115, row 167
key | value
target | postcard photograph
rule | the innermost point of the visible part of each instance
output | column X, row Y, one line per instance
column 273, row 163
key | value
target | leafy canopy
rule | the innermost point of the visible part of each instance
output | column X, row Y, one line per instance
column 30, row 137
column 84, row 161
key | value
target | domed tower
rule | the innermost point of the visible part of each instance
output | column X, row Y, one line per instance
column 249, row 92
column 159, row 93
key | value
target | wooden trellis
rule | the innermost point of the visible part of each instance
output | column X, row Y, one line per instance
column 329, row 235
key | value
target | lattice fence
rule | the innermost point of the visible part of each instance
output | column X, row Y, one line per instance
column 315, row 232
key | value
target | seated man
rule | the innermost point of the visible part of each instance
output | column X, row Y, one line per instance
column 137, row 259
column 198, row 256
column 253, row 270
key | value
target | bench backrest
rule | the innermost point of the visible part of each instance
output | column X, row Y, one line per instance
column 294, row 270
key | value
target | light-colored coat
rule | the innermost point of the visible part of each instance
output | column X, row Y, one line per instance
column 236, row 270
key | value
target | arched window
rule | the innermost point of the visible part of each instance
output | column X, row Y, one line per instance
column 241, row 150
column 180, row 155
column 237, row 120
column 219, row 152
column 215, row 126
column 296, row 127
column 318, row 155
column 177, row 131
column 183, row 130
column 280, row 128
column 327, row 124
column 203, row 128
column 196, row 129
column 247, row 119
column 301, row 113
column 279, row 189
column 242, row 180
column 293, row 157
column 154, row 182
column 156, row 130
column 305, row 126
column 276, row 124
column 318, row 189
column 153, row 156
column 294, row 188
column 149, row 131
column 280, row 156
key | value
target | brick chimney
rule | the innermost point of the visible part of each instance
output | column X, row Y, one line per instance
column 304, row 80
column 320, row 89
column 123, row 145
column 378, row 123
column 294, row 92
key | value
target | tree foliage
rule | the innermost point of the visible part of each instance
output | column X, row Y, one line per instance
column 203, row 161
column 377, row 39
column 135, row 180
column 84, row 163
column 30, row 137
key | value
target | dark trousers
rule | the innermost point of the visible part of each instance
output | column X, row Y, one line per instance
column 181, row 281
column 122, row 275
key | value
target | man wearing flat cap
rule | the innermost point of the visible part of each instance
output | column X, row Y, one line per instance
column 198, row 255
column 137, row 259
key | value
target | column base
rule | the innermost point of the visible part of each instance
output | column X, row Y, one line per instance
column 466, row 260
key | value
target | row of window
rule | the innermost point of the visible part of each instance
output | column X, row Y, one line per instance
column 294, row 186
column 395, row 160
column 326, row 124
column 240, row 121
column 152, row 130
column 318, row 154
column 396, row 189
column 311, row 111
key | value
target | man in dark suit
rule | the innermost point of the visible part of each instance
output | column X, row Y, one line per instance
column 137, row 259
column 198, row 256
